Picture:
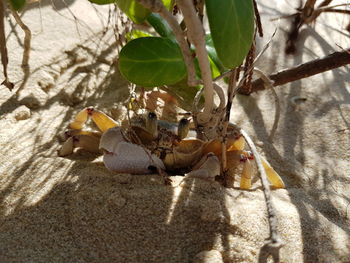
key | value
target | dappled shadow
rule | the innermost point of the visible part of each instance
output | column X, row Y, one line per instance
column 312, row 165
column 73, row 209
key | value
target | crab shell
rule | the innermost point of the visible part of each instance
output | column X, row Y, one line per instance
column 185, row 154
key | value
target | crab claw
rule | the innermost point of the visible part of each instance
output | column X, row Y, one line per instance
column 125, row 157
column 207, row 168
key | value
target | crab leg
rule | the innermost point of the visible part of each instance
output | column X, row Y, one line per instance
column 246, row 176
column 272, row 175
column 86, row 141
column 102, row 121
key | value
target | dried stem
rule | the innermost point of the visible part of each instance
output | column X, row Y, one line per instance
column 196, row 36
column 27, row 38
column 3, row 48
column 157, row 6
column 232, row 89
column 329, row 62
column 274, row 243
column 257, row 19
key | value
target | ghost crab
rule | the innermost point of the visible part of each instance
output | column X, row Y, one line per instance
column 149, row 145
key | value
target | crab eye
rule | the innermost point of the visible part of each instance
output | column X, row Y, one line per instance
column 152, row 124
column 183, row 128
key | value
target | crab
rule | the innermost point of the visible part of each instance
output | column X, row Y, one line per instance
column 149, row 145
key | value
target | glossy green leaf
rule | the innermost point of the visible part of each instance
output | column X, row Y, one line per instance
column 184, row 93
column 213, row 55
column 152, row 61
column 160, row 26
column 231, row 24
column 17, row 4
column 133, row 34
column 135, row 11
column 168, row 4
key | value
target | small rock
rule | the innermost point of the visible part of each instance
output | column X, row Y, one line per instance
column 22, row 113
column 208, row 256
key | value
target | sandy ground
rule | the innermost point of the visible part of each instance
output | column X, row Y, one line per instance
column 72, row 209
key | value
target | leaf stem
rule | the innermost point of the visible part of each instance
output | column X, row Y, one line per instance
column 195, row 33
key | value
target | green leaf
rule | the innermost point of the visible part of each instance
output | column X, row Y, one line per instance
column 213, row 55
column 136, row 34
column 168, row 4
column 135, row 11
column 184, row 93
column 231, row 24
column 152, row 61
column 17, row 4
column 160, row 25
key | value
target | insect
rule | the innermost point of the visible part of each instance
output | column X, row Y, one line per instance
column 148, row 145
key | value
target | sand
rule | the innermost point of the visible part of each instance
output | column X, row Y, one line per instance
column 73, row 209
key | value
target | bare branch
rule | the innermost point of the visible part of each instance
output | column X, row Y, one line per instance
column 196, row 36
column 3, row 48
column 158, row 7
column 27, row 38
column 329, row 62
column 274, row 243
column 231, row 92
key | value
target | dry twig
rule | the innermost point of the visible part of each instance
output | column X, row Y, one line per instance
column 329, row 62
column 196, row 36
column 3, row 49
column 27, row 38
column 274, row 243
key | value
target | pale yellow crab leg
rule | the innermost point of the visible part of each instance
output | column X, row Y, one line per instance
column 102, row 121
column 272, row 175
column 237, row 145
column 87, row 142
column 246, row 176
column 79, row 120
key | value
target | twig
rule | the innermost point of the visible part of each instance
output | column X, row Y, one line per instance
column 329, row 62
column 196, row 36
column 257, row 19
column 3, row 48
column 27, row 38
column 269, row 85
column 274, row 243
column 231, row 92
column 158, row 7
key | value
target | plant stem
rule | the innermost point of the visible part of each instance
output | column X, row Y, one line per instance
column 196, row 36
column 157, row 6
column 274, row 243
column 3, row 48
column 329, row 62
column 231, row 91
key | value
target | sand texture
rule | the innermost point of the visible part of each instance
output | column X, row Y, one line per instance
column 73, row 209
